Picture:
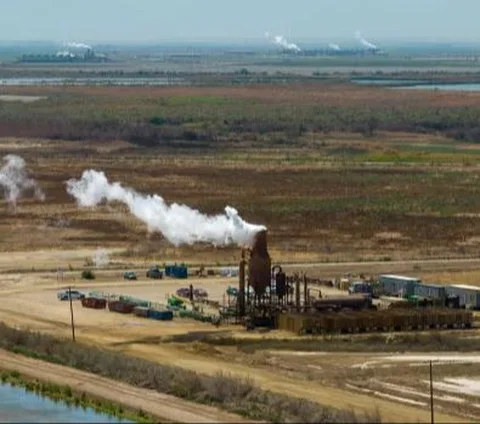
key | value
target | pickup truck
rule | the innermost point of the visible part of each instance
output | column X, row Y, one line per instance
column 155, row 273
column 75, row 295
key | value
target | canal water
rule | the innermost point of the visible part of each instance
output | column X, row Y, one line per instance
column 19, row 406
column 51, row 81
column 398, row 84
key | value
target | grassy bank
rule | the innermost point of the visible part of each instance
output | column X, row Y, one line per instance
column 70, row 397
column 374, row 343
column 231, row 394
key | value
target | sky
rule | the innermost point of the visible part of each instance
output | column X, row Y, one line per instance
column 241, row 20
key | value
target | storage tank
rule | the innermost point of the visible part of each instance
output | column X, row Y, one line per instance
column 355, row 301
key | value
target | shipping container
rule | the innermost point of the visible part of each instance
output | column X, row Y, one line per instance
column 94, row 303
column 398, row 285
column 354, row 301
column 160, row 315
column 176, row 271
column 120, row 307
column 140, row 311
column 468, row 296
column 431, row 291
column 360, row 287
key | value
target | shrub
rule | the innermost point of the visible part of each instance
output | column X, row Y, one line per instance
column 88, row 274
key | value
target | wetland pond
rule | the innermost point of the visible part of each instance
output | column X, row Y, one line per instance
column 51, row 81
column 19, row 406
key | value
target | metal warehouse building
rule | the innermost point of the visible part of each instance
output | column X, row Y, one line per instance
column 469, row 296
column 432, row 291
column 398, row 285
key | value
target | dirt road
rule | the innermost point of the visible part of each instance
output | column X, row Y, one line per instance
column 50, row 259
column 163, row 406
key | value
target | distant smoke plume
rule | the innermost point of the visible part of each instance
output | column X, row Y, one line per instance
column 334, row 47
column 14, row 180
column 364, row 42
column 280, row 40
column 78, row 45
column 65, row 54
column 100, row 258
column 178, row 223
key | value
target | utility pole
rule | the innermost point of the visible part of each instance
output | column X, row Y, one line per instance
column 431, row 393
column 71, row 313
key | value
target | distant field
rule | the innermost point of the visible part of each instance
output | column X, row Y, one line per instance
column 319, row 204
column 336, row 172
column 263, row 114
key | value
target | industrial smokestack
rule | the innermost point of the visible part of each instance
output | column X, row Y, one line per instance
column 259, row 267
column 241, row 294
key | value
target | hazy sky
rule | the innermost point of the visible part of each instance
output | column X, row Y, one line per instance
column 157, row 20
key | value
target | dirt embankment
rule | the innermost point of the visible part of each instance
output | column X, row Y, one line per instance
column 165, row 407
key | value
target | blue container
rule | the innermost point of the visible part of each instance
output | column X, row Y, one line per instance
column 168, row 270
column 160, row 315
column 180, row 272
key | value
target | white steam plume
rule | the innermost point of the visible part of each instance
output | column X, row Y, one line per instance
column 365, row 43
column 14, row 180
column 178, row 223
column 280, row 40
column 100, row 258
column 334, row 47
column 78, row 45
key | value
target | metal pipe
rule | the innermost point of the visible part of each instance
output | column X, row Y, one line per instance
column 305, row 291
column 297, row 292
column 241, row 294
column 431, row 393
column 71, row 312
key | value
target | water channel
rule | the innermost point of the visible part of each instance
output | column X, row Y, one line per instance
column 51, row 81
column 19, row 406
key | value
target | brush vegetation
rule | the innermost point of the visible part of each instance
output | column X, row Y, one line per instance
column 381, row 343
column 232, row 394
column 212, row 117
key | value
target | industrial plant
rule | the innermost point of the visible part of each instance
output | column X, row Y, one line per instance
column 366, row 48
column 267, row 297
column 89, row 56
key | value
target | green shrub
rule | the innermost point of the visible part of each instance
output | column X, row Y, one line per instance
column 88, row 274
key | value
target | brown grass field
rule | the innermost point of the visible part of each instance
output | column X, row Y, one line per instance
column 323, row 209
column 326, row 197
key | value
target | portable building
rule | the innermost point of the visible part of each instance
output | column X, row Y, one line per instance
column 176, row 271
column 469, row 296
column 398, row 285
